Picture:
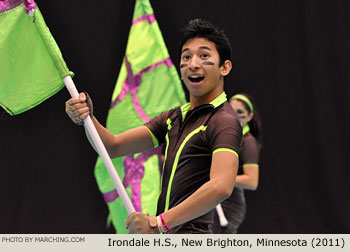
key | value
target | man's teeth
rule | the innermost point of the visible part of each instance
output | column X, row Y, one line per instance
column 196, row 78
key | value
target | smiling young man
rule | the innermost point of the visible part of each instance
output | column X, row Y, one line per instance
column 202, row 138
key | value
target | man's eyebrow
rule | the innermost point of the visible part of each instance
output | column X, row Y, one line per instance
column 205, row 48
column 184, row 50
column 202, row 48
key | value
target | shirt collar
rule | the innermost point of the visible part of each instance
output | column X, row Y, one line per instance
column 219, row 100
column 215, row 103
column 246, row 129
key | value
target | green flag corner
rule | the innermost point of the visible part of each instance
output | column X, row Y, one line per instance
column 32, row 66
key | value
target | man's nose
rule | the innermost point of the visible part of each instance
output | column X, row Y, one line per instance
column 193, row 68
column 194, row 64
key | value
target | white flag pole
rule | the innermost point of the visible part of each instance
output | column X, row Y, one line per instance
column 222, row 218
column 101, row 150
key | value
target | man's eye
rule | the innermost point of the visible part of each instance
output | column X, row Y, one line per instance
column 204, row 55
column 239, row 111
column 186, row 57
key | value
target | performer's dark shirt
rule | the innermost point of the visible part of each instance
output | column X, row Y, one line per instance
column 191, row 137
column 249, row 154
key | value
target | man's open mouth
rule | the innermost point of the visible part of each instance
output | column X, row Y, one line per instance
column 196, row 78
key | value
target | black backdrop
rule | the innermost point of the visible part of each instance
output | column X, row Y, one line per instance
column 292, row 56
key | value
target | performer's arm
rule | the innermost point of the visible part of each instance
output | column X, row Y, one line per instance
column 250, row 177
column 222, row 179
column 131, row 141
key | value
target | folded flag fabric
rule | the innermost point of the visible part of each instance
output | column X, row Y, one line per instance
column 147, row 85
column 31, row 64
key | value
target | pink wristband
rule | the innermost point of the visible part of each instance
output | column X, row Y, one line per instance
column 165, row 226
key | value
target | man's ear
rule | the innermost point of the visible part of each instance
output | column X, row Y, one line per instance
column 226, row 67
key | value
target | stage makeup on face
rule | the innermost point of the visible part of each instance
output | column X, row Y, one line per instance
column 183, row 65
column 239, row 111
column 208, row 63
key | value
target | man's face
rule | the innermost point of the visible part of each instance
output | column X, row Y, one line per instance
column 200, row 69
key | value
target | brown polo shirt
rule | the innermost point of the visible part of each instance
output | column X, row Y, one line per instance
column 249, row 153
column 191, row 138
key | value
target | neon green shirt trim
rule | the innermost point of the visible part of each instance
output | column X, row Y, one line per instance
column 176, row 161
column 252, row 164
column 225, row 149
column 168, row 122
column 154, row 139
column 219, row 100
column 184, row 109
column 246, row 129
column 216, row 103
column 165, row 157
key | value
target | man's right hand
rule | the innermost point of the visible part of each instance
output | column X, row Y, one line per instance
column 79, row 108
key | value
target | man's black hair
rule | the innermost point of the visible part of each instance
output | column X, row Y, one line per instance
column 198, row 28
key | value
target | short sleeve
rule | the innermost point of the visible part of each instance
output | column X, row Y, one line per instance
column 250, row 151
column 225, row 133
column 158, row 126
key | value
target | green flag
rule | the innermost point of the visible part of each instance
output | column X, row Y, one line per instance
column 31, row 64
column 147, row 85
